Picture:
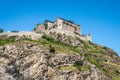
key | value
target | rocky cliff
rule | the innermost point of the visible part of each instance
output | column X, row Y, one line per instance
column 55, row 56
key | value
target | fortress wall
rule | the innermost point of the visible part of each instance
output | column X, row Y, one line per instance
column 87, row 37
column 62, row 25
column 50, row 25
column 69, row 26
column 40, row 28
column 78, row 31
column 72, row 29
column 59, row 23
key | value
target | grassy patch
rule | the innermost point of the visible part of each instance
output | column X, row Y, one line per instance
column 90, row 43
column 81, row 41
column 6, row 41
column 96, row 51
column 51, row 41
column 52, row 49
column 85, row 68
column 93, row 61
column 78, row 64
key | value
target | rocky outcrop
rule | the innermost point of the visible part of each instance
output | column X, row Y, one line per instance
column 19, row 35
column 26, row 61
column 24, row 56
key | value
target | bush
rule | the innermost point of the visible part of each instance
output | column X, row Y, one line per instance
column 90, row 43
column 52, row 49
column 48, row 39
column 78, row 64
column 93, row 61
column 104, row 47
column 54, row 42
column 1, row 30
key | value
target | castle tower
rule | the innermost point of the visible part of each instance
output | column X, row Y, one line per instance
column 68, row 26
column 59, row 23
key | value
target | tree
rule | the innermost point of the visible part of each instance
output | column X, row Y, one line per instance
column 1, row 30
column 14, row 31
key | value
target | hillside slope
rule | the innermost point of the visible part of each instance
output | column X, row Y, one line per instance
column 55, row 56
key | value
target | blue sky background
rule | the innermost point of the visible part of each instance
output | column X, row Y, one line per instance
column 99, row 17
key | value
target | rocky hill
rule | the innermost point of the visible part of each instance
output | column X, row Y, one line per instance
column 55, row 56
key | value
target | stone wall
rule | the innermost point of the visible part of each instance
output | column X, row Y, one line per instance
column 87, row 37
column 40, row 28
column 49, row 25
column 63, row 25
column 77, row 30
column 68, row 25
column 59, row 23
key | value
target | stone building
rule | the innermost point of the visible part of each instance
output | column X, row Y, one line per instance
column 61, row 24
column 49, row 25
column 68, row 25
column 39, row 28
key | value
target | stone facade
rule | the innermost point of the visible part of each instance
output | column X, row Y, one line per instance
column 61, row 24
column 40, row 28
column 68, row 25
column 49, row 25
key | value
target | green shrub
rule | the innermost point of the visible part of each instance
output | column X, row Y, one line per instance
column 85, row 67
column 93, row 61
column 8, row 40
column 104, row 47
column 48, row 39
column 95, row 51
column 78, row 64
column 90, row 43
column 52, row 41
column 52, row 49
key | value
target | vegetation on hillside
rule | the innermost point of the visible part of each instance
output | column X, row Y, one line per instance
column 8, row 40
column 100, row 56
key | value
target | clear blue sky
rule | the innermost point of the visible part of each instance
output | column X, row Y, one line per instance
column 99, row 17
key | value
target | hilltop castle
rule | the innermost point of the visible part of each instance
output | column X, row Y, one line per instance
column 61, row 24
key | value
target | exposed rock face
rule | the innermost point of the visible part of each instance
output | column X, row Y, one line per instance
column 27, row 61
column 20, row 35
column 73, row 59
